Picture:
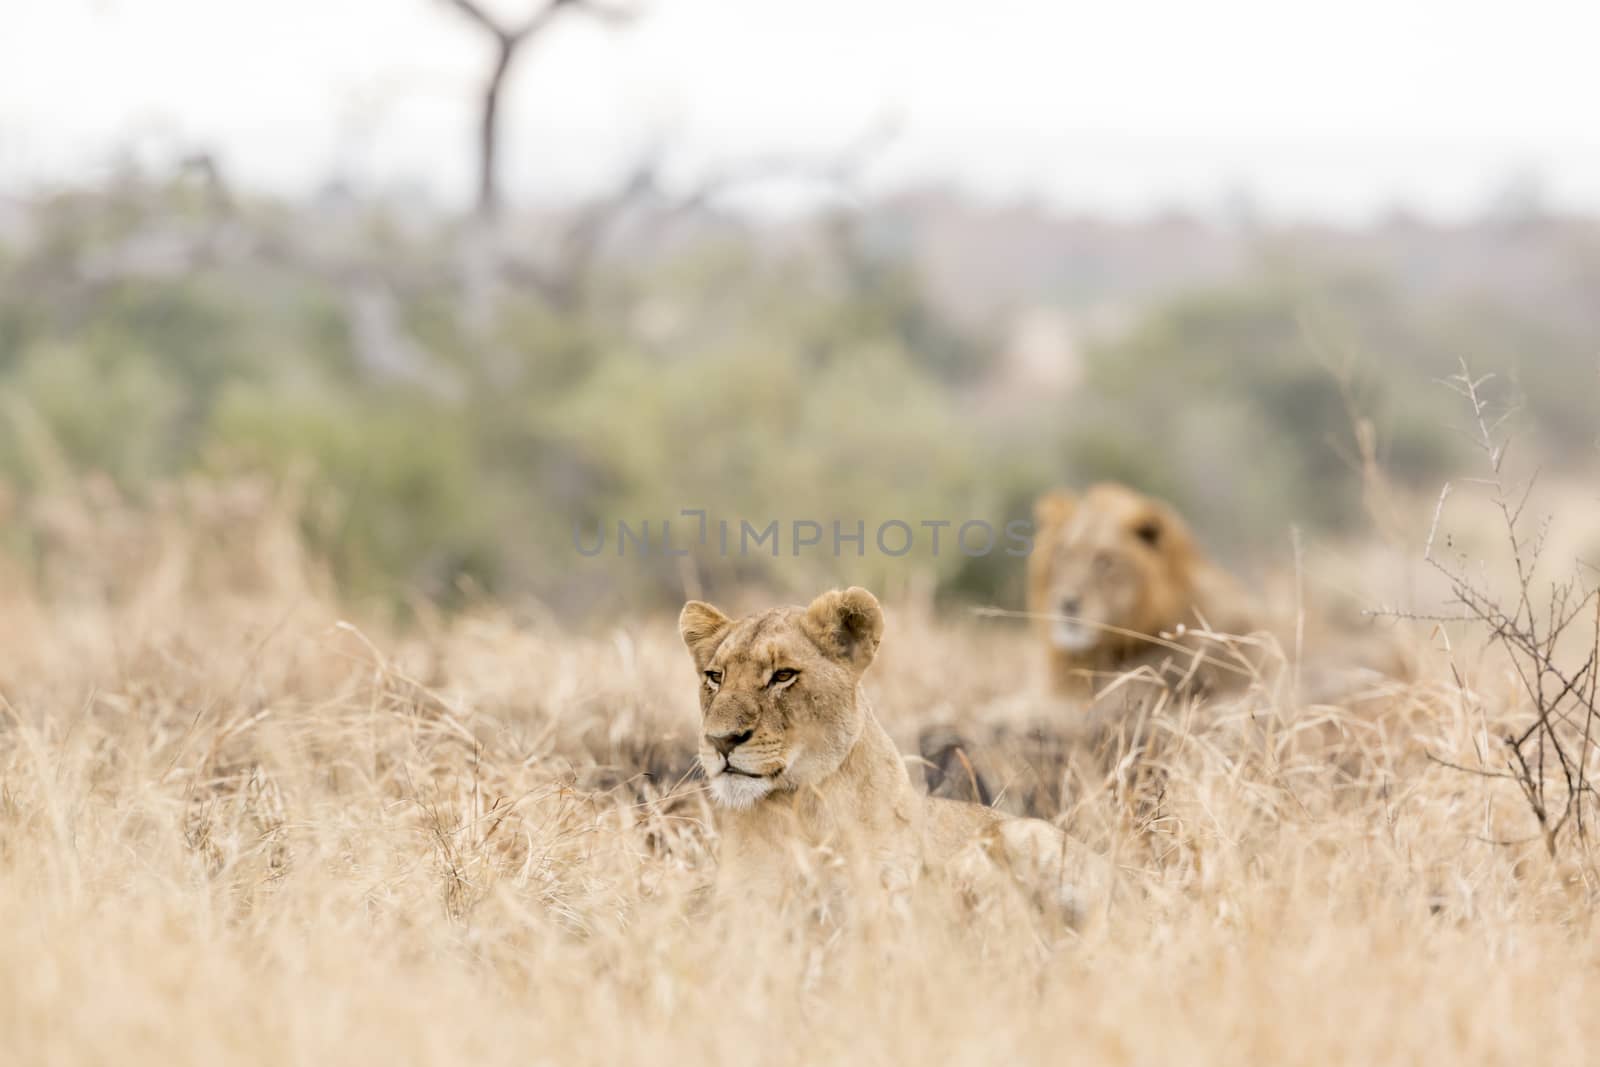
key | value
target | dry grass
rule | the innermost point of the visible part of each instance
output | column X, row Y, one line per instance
column 232, row 831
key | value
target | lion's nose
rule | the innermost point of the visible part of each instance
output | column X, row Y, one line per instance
column 1070, row 605
column 726, row 743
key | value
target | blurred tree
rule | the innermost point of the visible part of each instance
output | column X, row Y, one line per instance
column 1242, row 403
column 148, row 330
column 509, row 40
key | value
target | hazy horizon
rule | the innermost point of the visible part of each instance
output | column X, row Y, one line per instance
column 1434, row 109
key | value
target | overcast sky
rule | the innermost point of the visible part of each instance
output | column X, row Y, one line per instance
column 1322, row 109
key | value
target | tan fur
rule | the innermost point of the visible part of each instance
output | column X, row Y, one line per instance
column 833, row 785
column 1111, row 569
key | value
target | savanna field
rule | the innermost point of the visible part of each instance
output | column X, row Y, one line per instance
column 513, row 554
column 239, row 824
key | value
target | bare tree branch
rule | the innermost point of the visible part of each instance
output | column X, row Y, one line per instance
column 643, row 194
column 508, row 43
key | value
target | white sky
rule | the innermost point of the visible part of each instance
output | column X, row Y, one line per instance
column 1330, row 109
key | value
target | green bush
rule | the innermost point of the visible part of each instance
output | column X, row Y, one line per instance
column 753, row 384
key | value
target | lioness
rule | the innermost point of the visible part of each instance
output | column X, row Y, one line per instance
column 799, row 764
column 1116, row 582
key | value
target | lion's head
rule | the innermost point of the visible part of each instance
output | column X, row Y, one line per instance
column 778, row 691
column 1106, row 567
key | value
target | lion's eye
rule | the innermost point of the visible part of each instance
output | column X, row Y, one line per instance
column 780, row 677
column 714, row 677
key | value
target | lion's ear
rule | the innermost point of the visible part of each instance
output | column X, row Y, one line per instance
column 1162, row 529
column 1053, row 509
column 1150, row 529
column 847, row 625
column 701, row 626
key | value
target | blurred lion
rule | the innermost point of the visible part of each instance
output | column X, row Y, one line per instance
column 1129, row 613
column 801, row 768
column 1116, row 583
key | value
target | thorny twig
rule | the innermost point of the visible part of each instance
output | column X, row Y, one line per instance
column 1549, row 759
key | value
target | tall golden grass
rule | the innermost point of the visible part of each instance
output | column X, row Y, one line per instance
column 236, row 828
